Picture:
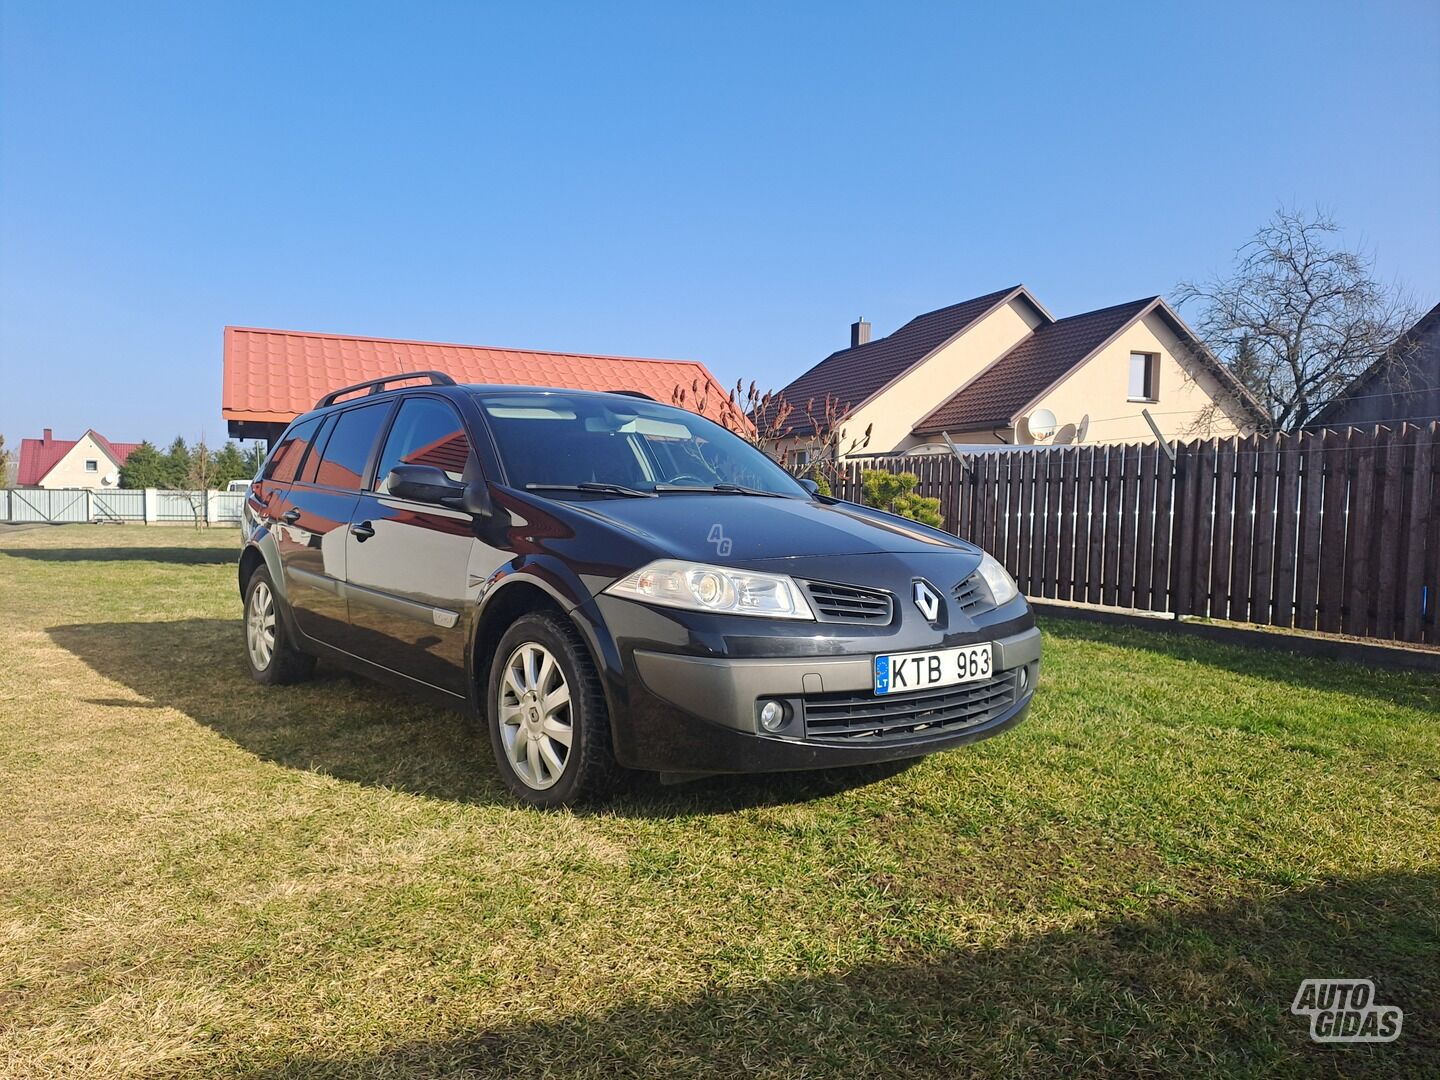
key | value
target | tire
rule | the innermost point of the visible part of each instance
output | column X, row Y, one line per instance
column 273, row 658
column 543, row 689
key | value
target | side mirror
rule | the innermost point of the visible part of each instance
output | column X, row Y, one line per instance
column 809, row 485
column 423, row 483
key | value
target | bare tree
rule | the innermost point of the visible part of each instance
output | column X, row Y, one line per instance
column 4, row 464
column 1298, row 316
column 199, row 480
column 730, row 413
column 768, row 421
column 831, row 439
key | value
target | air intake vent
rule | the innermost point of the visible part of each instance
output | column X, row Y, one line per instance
column 866, row 718
column 848, row 603
column 972, row 595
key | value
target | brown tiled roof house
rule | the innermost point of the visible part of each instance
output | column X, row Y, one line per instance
column 976, row 372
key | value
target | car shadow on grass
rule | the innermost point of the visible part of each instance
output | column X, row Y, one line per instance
column 1195, row 991
column 348, row 727
column 188, row 556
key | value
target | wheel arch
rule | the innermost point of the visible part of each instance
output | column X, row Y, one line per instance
column 250, row 561
column 261, row 552
column 518, row 594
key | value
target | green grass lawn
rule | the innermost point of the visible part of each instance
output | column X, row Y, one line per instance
column 200, row 876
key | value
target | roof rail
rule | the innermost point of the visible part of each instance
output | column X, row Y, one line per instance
column 375, row 386
column 632, row 393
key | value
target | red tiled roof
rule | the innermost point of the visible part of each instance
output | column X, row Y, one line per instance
column 275, row 375
column 850, row 376
column 994, row 396
column 39, row 456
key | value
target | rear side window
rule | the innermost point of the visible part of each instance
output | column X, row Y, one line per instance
column 285, row 458
column 347, row 452
column 311, row 467
column 426, row 431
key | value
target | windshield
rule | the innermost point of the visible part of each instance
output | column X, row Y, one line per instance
column 555, row 439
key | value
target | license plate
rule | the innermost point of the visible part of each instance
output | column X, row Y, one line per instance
column 898, row 673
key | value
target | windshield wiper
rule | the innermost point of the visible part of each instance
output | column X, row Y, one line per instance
column 720, row 489
column 594, row 485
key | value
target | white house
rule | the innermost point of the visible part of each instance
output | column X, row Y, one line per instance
column 91, row 461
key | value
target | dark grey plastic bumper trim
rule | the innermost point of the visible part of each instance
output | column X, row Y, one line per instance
column 725, row 690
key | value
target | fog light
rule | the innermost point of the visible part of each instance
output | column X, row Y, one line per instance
column 772, row 715
column 1024, row 679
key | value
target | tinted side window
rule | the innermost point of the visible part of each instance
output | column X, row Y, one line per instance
column 311, row 467
column 426, row 432
column 343, row 463
column 285, row 458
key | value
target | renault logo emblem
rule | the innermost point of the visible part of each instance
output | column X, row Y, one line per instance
column 927, row 600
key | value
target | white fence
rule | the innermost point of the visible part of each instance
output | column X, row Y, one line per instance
column 147, row 505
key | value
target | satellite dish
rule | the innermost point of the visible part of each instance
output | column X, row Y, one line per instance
column 110, row 479
column 1042, row 424
column 1083, row 429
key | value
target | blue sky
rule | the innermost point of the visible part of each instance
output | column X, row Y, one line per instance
column 725, row 182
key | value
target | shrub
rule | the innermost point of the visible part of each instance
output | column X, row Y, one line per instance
column 895, row 492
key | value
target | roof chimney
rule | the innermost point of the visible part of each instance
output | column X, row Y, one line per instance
column 49, row 435
column 859, row 332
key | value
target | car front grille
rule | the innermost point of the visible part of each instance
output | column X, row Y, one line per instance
column 972, row 596
column 848, row 603
column 859, row 717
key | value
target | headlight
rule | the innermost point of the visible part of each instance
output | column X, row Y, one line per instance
column 699, row 587
column 997, row 580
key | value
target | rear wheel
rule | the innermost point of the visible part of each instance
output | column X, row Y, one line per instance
column 549, row 727
column 274, row 660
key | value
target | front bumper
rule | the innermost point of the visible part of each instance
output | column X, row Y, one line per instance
column 688, row 713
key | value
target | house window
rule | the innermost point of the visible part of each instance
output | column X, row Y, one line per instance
column 91, row 465
column 1144, row 376
column 800, row 458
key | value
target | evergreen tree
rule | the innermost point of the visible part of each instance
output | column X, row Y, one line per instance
column 1246, row 366
column 229, row 464
column 176, row 464
column 144, row 468
column 254, row 456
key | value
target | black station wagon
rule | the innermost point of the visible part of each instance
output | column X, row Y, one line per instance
column 605, row 583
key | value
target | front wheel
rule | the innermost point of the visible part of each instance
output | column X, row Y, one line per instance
column 274, row 660
column 548, row 724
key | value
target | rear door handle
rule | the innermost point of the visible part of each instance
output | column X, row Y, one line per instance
column 290, row 516
column 362, row 531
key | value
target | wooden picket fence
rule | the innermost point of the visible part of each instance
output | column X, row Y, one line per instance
column 1336, row 531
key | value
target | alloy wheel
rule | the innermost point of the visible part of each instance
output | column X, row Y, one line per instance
column 536, row 722
column 260, row 626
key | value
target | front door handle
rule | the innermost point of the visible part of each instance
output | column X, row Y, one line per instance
column 290, row 516
column 362, row 531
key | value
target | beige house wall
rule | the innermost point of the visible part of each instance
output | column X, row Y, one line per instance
column 1189, row 403
column 70, row 472
column 898, row 407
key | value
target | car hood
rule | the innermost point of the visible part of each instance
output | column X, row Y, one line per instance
column 739, row 530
